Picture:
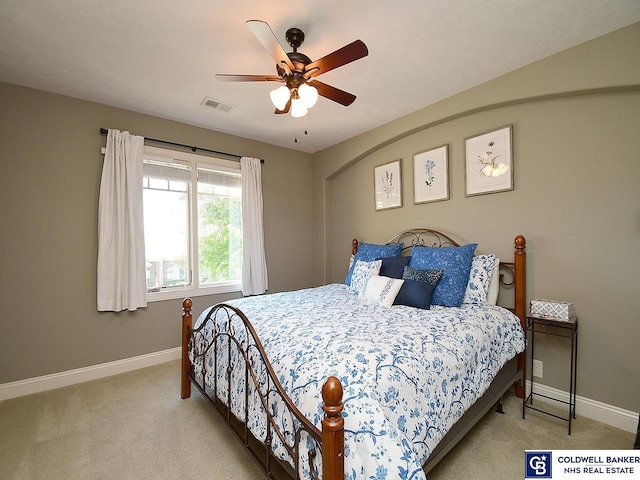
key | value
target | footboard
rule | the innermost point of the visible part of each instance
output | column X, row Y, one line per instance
column 224, row 358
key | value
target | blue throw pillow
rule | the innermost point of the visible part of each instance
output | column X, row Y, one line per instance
column 394, row 267
column 368, row 252
column 430, row 276
column 456, row 264
column 417, row 289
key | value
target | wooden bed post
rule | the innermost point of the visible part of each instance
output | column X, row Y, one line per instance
column 521, row 278
column 521, row 300
column 185, row 384
column 332, row 431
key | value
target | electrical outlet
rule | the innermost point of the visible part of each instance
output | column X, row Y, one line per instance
column 537, row 368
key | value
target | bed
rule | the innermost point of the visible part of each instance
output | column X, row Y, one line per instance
column 334, row 382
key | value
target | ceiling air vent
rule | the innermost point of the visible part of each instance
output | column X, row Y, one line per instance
column 217, row 104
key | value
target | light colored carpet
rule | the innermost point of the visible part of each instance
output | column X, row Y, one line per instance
column 494, row 448
column 135, row 426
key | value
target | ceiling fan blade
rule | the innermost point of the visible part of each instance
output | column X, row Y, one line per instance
column 223, row 77
column 285, row 109
column 347, row 54
column 270, row 42
column 333, row 93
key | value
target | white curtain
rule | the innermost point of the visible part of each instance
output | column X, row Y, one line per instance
column 122, row 281
column 254, row 264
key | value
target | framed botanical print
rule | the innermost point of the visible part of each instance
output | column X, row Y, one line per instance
column 489, row 162
column 387, row 181
column 431, row 175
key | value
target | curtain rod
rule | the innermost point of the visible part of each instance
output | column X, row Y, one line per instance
column 104, row 131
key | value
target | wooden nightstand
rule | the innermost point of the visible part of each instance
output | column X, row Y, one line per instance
column 561, row 328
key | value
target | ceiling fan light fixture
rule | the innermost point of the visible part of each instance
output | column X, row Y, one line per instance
column 308, row 95
column 298, row 108
column 295, row 70
column 280, row 97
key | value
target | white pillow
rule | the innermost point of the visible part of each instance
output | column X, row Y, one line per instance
column 482, row 267
column 494, row 284
column 361, row 273
column 383, row 290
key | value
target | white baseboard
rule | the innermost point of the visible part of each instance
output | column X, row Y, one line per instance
column 601, row 412
column 94, row 372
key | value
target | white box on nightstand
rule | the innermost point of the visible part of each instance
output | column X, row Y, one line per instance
column 555, row 309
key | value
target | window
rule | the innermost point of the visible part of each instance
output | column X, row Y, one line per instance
column 192, row 224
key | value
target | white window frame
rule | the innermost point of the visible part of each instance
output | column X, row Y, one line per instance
column 194, row 290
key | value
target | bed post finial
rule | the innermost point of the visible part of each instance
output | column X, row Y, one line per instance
column 187, row 320
column 354, row 246
column 332, row 430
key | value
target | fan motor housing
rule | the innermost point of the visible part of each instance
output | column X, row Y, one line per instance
column 295, row 37
column 299, row 60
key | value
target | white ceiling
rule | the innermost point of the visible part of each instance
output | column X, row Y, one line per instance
column 160, row 57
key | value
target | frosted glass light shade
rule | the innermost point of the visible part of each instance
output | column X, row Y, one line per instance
column 308, row 94
column 297, row 108
column 495, row 170
column 280, row 97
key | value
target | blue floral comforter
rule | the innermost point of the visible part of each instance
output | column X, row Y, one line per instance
column 408, row 374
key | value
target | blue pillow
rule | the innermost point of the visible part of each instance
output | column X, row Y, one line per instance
column 368, row 252
column 427, row 276
column 393, row 267
column 456, row 263
column 417, row 289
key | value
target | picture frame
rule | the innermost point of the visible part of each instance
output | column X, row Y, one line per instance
column 431, row 175
column 387, row 181
column 489, row 162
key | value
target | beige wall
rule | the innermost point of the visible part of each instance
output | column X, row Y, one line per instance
column 575, row 120
column 576, row 143
column 51, row 166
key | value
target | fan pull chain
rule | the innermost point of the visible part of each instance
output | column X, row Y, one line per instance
column 295, row 137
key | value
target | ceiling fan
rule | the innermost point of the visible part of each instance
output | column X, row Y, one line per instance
column 297, row 72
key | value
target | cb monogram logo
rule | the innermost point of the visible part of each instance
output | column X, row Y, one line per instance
column 537, row 465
